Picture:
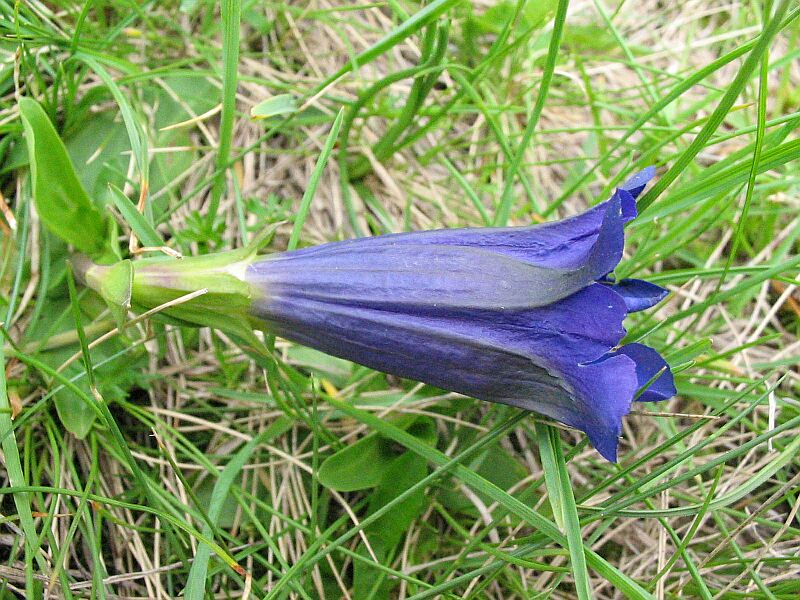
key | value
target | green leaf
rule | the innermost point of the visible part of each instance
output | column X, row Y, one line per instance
column 75, row 415
column 534, row 15
column 387, row 532
column 404, row 471
column 369, row 582
column 365, row 463
column 61, row 201
column 590, row 39
column 424, row 429
column 136, row 135
column 100, row 146
column 136, row 220
column 495, row 465
column 358, row 466
column 337, row 370
column 282, row 104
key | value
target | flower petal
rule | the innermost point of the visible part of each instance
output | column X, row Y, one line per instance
column 562, row 244
column 635, row 184
column 588, row 245
column 638, row 294
column 650, row 364
column 507, row 268
column 527, row 359
column 414, row 278
column 605, row 389
column 579, row 329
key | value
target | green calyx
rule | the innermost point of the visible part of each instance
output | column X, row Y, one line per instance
column 204, row 291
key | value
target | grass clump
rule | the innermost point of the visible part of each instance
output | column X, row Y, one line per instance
column 163, row 461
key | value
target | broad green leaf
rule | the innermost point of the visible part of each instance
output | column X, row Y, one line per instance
column 405, row 471
column 365, row 463
column 101, row 147
column 115, row 376
column 368, row 582
column 495, row 465
column 75, row 415
column 387, row 532
column 537, row 14
column 590, row 38
column 282, row 104
column 358, row 466
column 495, row 18
column 117, row 367
column 62, row 203
column 424, row 428
column 136, row 135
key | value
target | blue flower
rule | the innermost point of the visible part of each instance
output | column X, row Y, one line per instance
column 525, row 316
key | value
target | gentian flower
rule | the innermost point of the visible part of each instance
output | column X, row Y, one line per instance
column 524, row 316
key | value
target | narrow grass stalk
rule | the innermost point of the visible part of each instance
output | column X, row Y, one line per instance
column 231, row 14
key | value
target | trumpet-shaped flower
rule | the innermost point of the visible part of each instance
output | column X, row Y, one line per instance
column 524, row 316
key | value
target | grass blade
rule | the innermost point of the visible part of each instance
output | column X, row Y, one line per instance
column 136, row 220
column 626, row 585
column 504, row 210
column 16, row 477
column 231, row 13
column 559, row 492
column 761, row 47
column 313, row 181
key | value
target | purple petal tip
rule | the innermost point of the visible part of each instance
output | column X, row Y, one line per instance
column 635, row 184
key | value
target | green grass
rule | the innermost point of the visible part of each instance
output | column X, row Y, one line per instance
column 165, row 461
